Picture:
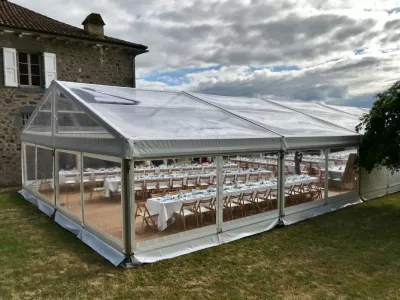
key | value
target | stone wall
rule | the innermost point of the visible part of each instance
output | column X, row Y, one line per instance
column 75, row 62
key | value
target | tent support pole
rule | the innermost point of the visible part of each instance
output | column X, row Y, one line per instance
column 326, row 181
column 126, row 206
column 82, row 189
column 36, row 181
column 220, row 194
column 281, row 185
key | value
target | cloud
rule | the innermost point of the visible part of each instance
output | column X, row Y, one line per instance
column 343, row 50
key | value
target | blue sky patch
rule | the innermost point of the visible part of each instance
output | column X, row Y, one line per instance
column 176, row 77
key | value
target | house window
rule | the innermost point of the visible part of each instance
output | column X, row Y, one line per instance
column 29, row 70
column 25, row 117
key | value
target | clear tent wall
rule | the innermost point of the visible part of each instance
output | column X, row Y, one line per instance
column 142, row 175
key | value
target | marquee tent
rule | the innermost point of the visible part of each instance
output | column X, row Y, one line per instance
column 142, row 175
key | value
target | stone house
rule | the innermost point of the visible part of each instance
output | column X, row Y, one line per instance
column 35, row 50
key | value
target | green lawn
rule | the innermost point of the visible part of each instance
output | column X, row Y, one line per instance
column 349, row 254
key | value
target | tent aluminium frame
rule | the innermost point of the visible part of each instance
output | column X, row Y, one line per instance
column 129, row 246
column 124, row 152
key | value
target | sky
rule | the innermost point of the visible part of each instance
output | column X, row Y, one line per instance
column 338, row 51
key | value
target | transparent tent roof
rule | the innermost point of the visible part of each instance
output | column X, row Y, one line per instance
column 324, row 113
column 134, row 123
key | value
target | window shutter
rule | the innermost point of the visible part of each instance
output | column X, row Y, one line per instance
column 50, row 68
column 10, row 67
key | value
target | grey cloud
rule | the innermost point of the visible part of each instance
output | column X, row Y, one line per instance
column 189, row 33
column 393, row 24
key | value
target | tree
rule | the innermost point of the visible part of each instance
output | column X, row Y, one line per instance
column 380, row 145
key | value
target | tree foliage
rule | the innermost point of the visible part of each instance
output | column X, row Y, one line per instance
column 380, row 145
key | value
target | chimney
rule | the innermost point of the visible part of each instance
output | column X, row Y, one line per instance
column 94, row 24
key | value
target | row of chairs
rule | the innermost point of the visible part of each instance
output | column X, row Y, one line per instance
column 304, row 192
column 71, row 179
column 166, row 184
column 196, row 209
column 260, row 201
column 179, row 170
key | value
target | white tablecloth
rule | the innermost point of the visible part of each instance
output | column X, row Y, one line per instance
column 92, row 173
column 167, row 205
column 184, row 176
column 111, row 184
column 184, row 168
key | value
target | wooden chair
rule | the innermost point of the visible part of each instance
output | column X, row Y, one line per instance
column 261, row 197
column 151, row 185
column 163, row 171
column 273, row 196
column 177, row 183
column 308, row 191
column 288, row 193
column 245, row 200
column 318, row 189
column 99, row 179
column 241, row 178
column 230, row 205
column 139, row 187
column 147, row 217
column 205, row 206
column 234, row 167
column 175, row 170
column 254, row 177
column 117, row 193
column 229, row 178
column 204, row 180
column 188, row 209
column 191, row 182
column 157, row 195
column 164, row 184
column 297, row 192
column 197, row 170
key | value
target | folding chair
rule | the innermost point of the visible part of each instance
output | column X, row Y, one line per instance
column 204, row 181
column 147, row 217
column 177, row 183
column 229, row 178
column 191, row 182
column 241, row 178
column 230, row 205
column 205, row 206
column 254, row 177
column 188, row 209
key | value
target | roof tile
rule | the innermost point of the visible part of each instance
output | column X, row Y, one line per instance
column 18, row 17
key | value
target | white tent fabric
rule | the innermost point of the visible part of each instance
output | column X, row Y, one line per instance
column 351, row 110
column 134, row 123
column 324, row 113
column 138, row 124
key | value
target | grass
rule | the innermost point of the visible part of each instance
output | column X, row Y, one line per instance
column 353, row 253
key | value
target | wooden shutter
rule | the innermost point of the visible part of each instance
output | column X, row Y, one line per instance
column 10, row 67
column 50, row 68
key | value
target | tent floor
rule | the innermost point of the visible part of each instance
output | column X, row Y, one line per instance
column 106, row 214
